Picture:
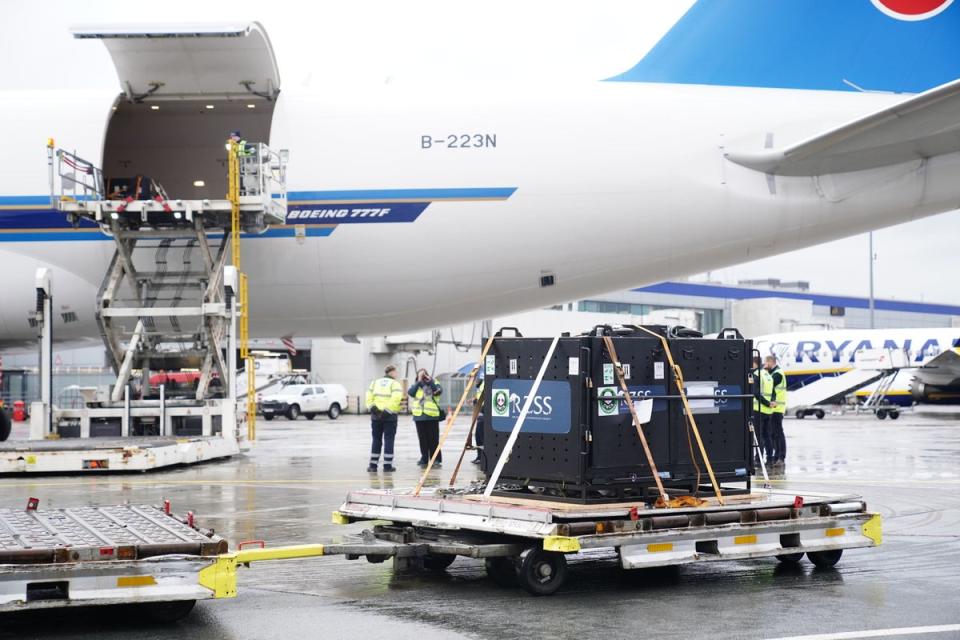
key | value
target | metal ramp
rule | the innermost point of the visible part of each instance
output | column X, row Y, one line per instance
column 826, row 390
column 870, row 365
column 168, row 311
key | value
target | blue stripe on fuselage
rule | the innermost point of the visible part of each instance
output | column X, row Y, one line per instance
column 804, row 44
column 26, row 218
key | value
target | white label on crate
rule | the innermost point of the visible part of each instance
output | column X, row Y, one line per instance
column 626, row 372
column 706, row 392
column 573, row 368
column 608, row 404
column 500, row 398
column 491, row 365
column 644, row 409
column 513, row 366
column 608, row 373
column 658, row 371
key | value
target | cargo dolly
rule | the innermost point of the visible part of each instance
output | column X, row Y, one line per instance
column 121, row 555
column 526, row 542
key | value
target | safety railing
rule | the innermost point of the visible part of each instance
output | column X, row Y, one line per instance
column 263, row 174
column 72, row 177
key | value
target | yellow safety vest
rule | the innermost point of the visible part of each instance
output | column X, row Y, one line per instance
column 779, row 391
column 423, row 405
column 766, row 390
column 758, row 375
column 244, row 150
column 479, row 396
column 385, row 394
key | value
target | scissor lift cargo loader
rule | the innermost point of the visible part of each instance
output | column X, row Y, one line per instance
column 171, row 300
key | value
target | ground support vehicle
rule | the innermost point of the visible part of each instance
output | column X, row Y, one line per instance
column 526, row 542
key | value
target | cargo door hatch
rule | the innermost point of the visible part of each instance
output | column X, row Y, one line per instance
column 212, row 61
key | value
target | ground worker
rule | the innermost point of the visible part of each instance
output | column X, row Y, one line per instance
column 778, row 405
column 764, row 399
column 383, row 401
column 478, row 430
column 426, row 415
column 244, row 148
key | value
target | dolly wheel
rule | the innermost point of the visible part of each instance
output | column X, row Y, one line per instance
column 168, row 611
column 438, row 562
column 825, row 559
column 502, row 571
column 790, row 558
column 542, row 572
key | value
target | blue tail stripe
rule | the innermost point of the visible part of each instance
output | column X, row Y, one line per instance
column 804, row 44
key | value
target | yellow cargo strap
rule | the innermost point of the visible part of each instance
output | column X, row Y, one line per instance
column 453, row 416
column 691, row 421
column 636, row 420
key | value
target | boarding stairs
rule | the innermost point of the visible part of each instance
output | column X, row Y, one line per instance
column 869, row 366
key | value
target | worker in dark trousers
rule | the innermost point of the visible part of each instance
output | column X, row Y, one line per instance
column 478, row 430
column 383, row 401
column 778, row 405
column 425, row 407
column 764, row 400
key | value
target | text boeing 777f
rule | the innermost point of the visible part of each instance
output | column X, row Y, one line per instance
column 741, row 134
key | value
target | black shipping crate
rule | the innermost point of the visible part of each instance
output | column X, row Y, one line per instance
column 578, row 440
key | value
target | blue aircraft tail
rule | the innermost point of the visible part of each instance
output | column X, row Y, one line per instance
column 903, row 46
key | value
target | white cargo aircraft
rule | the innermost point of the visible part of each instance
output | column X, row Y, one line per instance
column 933, row 354
column 750, row 128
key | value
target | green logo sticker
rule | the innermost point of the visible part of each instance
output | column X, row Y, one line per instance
column 608, row 404
column 501, row 403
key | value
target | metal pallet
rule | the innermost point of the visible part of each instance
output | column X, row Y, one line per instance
column 125, row 532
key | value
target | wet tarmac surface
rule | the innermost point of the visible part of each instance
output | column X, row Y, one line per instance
column 284, row 489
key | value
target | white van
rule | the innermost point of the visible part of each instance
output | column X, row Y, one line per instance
column 308, row 400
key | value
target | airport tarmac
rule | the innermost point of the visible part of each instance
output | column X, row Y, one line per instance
column 284, row 489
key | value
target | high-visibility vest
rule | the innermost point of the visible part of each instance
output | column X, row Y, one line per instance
column 245, row 149
column 479, row 395
column 757, row 377
column 385, row 394
column 424, row 405
column 779, row 391
column 766, row 390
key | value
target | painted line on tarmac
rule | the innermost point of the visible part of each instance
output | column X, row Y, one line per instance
column 158, row 482
column 867, row 481
column 877, row 633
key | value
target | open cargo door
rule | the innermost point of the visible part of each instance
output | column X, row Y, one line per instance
column 230, row 60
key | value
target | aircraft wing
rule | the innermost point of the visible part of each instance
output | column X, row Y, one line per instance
column 923, row 126
column 943, row 369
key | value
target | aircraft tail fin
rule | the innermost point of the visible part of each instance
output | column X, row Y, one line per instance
column 902, row 46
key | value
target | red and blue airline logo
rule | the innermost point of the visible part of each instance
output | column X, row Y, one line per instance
column 911, row 9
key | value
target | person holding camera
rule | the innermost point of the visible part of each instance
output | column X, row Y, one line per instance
column 427, row 414
column 383, row 402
